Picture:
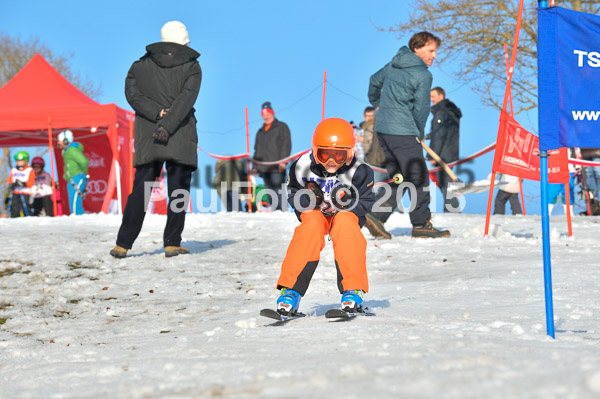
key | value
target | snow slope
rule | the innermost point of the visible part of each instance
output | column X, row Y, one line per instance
column 461, row 317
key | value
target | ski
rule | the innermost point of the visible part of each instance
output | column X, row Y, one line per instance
column 337, row 313
column 273, row 314
column 330, row 314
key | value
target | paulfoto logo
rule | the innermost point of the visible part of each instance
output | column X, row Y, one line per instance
column 342, row 198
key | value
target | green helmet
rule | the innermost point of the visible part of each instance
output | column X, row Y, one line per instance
column 22, row 156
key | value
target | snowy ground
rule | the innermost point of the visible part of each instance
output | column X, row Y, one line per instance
column 461, row 317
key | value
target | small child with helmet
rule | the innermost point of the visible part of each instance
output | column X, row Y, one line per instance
column 331, row 192
column 41, row 192
column 20, row 181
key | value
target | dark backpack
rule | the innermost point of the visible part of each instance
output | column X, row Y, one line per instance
column 374, row 154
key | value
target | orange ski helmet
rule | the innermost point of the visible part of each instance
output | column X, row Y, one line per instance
column 333, row 139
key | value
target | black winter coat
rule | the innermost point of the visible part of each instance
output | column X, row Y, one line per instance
column 401, row 91
column 167, row 76
column 445, row 127
column 272, row 145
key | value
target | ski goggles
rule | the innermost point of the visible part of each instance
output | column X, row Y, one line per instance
column 338, row 155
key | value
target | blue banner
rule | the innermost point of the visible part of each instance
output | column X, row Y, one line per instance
column 568, row 78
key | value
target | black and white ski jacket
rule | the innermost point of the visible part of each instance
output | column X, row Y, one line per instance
column 358, row 176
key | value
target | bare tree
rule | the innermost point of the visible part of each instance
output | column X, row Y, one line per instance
column 473, row 34
column 15, row 54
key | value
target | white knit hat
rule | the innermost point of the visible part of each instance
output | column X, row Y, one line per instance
column 175, row 32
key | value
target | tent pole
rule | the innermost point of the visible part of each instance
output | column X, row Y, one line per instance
column 116, row 157
column 51, row 149
column 118, row 182
column 131, row 122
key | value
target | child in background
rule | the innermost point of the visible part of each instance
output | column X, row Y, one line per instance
column 331, row 192
column 508, row 192
column 41, row 192
column 556, row 190
column 20, row 181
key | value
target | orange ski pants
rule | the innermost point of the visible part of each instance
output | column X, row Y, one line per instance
column 349, row 249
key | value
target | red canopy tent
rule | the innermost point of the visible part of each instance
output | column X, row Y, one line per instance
column 38, row 103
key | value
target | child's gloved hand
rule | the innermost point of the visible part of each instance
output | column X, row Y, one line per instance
column 17, row 184
column 341, row 197
column 327, row 209
column 314, row 188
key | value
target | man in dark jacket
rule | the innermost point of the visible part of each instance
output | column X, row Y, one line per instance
column 444, row 136
column 273, row 143
column 162, row 88
column 401, row 92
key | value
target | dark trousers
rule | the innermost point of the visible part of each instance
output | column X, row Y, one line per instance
column 404, row 155
column 20, row 204
column 178, row 178
column 44, row 203
column 500, row 203
column 229, row 202
column 274, row 181
column 450, row 204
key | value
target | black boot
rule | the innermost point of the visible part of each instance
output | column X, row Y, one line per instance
column 428, row 231
column 376, row 228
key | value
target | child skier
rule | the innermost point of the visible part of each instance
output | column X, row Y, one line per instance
column 20, row 181
column 41, row 193
column 331, row 192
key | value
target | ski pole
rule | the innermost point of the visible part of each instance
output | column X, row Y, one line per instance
column 440, row 162
column 25, row 209
column 397, row 178
column 9, row 205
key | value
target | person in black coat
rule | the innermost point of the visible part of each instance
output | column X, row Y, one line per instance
column 273, row 143
column 444, row 135
column 162, row 88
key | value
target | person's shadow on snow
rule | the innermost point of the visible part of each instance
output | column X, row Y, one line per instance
column 195, row 247
column 372, row 304
column 401, row 231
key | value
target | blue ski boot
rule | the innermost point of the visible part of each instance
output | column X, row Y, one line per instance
column 352, row 301
column 288, row 302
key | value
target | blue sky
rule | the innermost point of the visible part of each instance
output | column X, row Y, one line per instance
column 254, row 52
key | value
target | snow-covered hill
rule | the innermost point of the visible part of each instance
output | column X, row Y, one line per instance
column 461, row 317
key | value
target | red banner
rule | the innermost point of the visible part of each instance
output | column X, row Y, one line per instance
column 517, row 154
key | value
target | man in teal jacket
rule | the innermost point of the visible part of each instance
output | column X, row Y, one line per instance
column 400, row 91
column 76, row 168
